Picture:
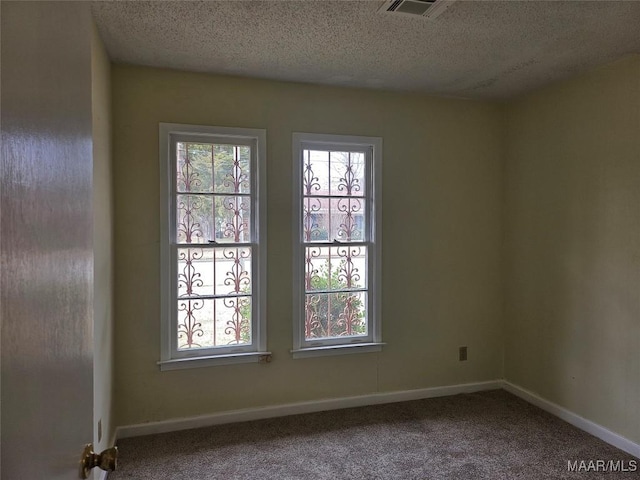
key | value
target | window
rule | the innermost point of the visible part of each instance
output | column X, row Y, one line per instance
column 337, row 247
column 212, row 245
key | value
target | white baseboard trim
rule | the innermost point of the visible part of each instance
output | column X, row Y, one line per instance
column 574, row 419
column 99, row 474
column 260, row 413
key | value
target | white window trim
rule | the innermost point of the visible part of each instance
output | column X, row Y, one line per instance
column 373, row 341
column 170, row 359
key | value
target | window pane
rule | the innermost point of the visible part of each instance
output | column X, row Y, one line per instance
column 195, row 272
column 233, row 321
column 233, row 218
column 233, row 271
column 194, row 218
column 358, row 170
column 348, row 222
column 338, row 314
column 194, row 167
column 194, row 318
column 207, row 323
column 335, row 268
column 232, row 168
column 315, row 219
column 347, row 173
column 315, row 172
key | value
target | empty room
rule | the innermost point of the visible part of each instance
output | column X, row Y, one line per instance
column 317, row 239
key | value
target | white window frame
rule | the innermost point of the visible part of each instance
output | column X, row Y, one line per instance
column 170, row 357
column 372, row 342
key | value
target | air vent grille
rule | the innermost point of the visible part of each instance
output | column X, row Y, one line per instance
column 393, row 6
column 425, row 8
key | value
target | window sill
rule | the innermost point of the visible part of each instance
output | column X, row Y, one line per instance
column 329, row 350
column 231, row 359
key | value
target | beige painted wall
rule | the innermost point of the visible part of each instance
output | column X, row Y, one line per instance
column 572, row 245
column 102, row 244
column 442, row 198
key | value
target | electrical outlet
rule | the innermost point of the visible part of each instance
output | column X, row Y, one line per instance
column 462, row 354
column 99, row 430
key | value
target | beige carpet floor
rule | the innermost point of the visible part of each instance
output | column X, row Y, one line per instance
column 487, row 435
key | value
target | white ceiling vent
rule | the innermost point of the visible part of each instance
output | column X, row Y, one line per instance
column 425, row 8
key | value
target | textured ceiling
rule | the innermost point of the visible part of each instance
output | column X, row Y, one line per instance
column 481, row 49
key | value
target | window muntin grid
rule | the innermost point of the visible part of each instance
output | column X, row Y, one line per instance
column 213, row 199
column 336, row 235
